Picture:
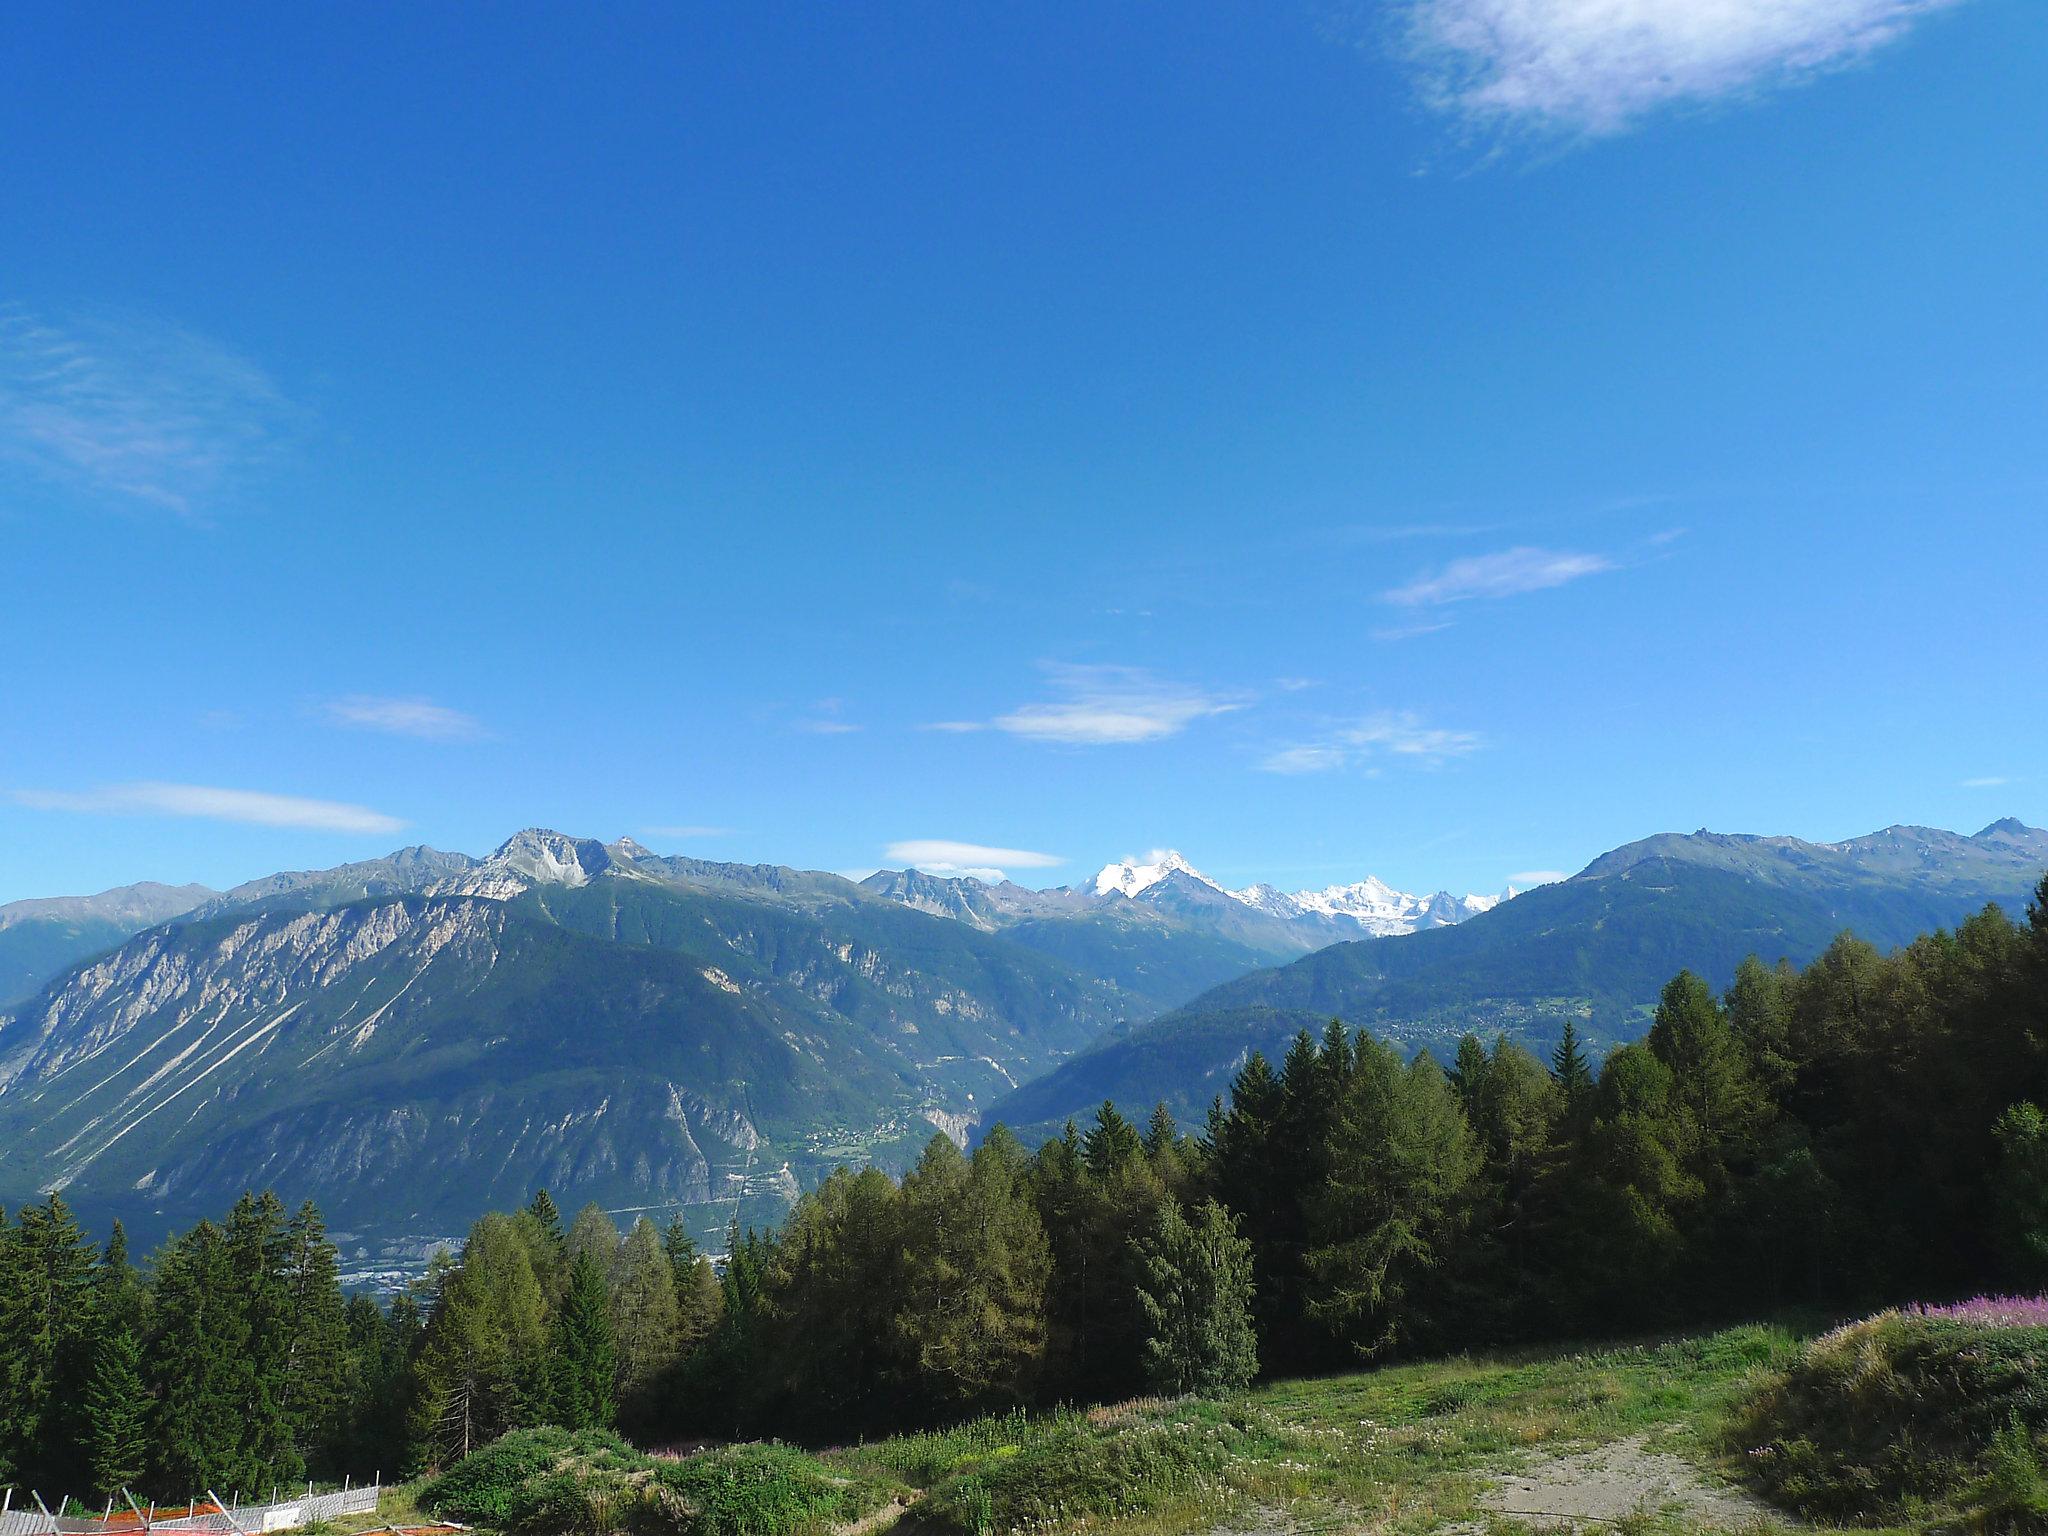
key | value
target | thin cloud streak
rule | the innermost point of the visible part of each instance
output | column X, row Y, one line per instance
column 1399, row 734
column 942, row 856
column 1504, row 574
column 133, row 411
column 419, row 718
column 211, row 803
column 1112, row 706
column 1596, row 67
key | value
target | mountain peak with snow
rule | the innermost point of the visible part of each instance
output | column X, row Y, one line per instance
column 1130, row 876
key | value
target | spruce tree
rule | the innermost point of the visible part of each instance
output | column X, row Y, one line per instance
column 195, row 1366
column 584, row 1359
column 1573, row 1075
column 313, row 1398
column 46, row 1339
column 1195, row 1288
column 116, row 1415
column 1110, row 1143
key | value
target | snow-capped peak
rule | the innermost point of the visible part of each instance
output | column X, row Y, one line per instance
column 1370, row 904
column 1134, row 875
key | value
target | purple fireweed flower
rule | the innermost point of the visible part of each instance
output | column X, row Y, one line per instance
column 1990, row 1311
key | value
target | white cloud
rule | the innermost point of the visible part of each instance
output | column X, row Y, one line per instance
column 1989, row 781
column 827, row 727
column 135, row 410
column 1306, row 759
column 253, row 807
column 1528, row 877
column 1112, row 706
column 1390, row 733
column 941, row 856
column 403, row 717
column 1498, row 575
column 955, row 727
column 1595, row 66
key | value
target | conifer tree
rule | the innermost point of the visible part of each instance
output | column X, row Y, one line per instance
column 584, row 1359
column 644, row 1311
column 1570, row 1070
column 681, row 1249
column 1110, row 1143
column 116, row 1415
column 195, row 1364
column 483, row 1359
column 46, row 1338
column 1196, row 1292
column 316, row 1364
column 975, row 1264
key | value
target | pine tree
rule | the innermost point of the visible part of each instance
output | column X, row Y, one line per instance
column 644, row 1311
column 584, row 1358
column 1572, row 1073
column 542, row 1209
column 46, row 1339
column 1110, row 1143
column 483, row 1359
column 681, row 1249
column 1196, row 1292
column 258, row 1243
column 116, row 1415
column 1390, row 1215
column 975, row 1264
column 313, row 1397
column 195, row 1365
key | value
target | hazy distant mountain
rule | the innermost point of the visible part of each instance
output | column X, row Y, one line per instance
column 1597, row 948
column 410, row 1039
column 45, row 935
column 1164, row 932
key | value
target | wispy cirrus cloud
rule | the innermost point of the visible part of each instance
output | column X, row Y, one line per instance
column 1504, row 573
column 1594, row 67
column 133, row 411
column 1987, row 781
column 1097, row 706
column 1399, row 734
column 211, row 803
column 419, row 718
column 941, row 856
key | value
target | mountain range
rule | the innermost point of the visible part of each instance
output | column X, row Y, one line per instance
column 410, row 1039
column 1595, row 948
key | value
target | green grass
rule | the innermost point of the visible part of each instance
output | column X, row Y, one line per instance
column 1403, row 1450
column 1935, row 1422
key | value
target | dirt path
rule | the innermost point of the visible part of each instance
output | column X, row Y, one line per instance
column 1588, row 1490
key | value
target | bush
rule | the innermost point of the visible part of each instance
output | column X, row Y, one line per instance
column 1903, row 1413
column 549, row 1482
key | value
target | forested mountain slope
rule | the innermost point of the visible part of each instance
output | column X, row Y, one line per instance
column 1594, row 948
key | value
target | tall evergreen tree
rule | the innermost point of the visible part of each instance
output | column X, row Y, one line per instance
column 645, row 1316
column 483, row 1359
column 584, row 1360
column 196, row 1366
column 1196, row 1292
column 46, row 1340
column 1571, row 1072
column 313, row 1398
column 975, row 1264
column 116, row 1415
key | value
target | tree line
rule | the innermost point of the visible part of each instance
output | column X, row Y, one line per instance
column 1869, row 1127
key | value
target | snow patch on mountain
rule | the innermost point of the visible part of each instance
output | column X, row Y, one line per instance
column 1131, row 876
column 1371, row 903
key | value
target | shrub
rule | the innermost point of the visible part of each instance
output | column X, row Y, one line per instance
column 548, row 1482
column 1900, row 1412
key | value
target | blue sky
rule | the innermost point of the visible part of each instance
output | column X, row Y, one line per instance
column 1440, row 439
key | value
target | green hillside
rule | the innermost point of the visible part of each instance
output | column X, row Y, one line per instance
column 1594, row 949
